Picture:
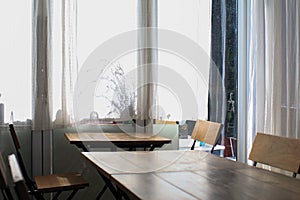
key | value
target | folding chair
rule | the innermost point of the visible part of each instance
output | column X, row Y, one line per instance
column 17, row 177
column 207, row 132
column 3, row 181
column 276, row 151
column 56, row 183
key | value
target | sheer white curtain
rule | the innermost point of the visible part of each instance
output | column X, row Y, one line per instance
column 54, row 63
column 64, row 60
column 41, row 63
column 147, row 62
column 274, row 42
column 69, row 60
column 41, row 88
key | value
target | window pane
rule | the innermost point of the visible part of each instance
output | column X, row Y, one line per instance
column 15, row 63
column 98, row 22
column 191, row 19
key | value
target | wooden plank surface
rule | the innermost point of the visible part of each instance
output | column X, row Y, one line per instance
column 238, row 185
column 113, row 140
column 148, row 186
column 142, row 162
column 207, row 131
column 145, row 175
column 125, row 137
column 280, row 152
column 56, row 182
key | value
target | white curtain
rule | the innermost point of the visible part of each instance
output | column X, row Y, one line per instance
column 69, row 60
column 273, row 62
column 41, row 63
column 147, row 62
column 41, row 88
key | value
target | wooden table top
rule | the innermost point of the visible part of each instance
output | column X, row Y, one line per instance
column 121, row 140
column 190, row 175
column 113, row 137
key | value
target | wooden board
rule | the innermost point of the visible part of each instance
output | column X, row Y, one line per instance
column 113, row 137
column 190, row 175
column 56, row 182
column 122, row 140
column 149, row 187
column 280, row 152
column 206, row 131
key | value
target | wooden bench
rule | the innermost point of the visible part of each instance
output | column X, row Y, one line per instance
column 276, row 151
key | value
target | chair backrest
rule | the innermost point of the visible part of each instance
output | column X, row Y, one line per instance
column 17, row 177
column 276, row 151
column 207, row 132
column 29, row 182
column 3, row 180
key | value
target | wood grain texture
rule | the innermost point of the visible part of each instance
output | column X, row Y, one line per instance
column 190, row 175
column 114, row 137
column 207, row 131
column 144, row 161
column 149, row 187
column 158, row 121
column 57, row 182
column 121, row 140
column 279, row 152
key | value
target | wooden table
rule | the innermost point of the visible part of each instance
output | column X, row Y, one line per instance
column 113, row 140
column 188, row 175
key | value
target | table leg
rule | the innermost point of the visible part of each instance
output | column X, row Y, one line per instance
column 101, row 192
column 82, row 146
column 152, row 147
column 121, row 194
column 109, row 185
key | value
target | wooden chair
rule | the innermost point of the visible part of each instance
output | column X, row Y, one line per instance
column 48, row 183
column 207, row 132
column 17, row 177
column 276, row 151
column 3, row 181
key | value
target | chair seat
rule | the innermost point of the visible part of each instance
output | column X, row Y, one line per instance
column 57, row 182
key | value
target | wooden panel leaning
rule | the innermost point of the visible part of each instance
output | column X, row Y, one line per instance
column 276, row 151
column 206, row 131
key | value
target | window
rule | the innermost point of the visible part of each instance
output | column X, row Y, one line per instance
column 99, row 22
column 15, row 67
column 190, row 21
column 224, row 53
